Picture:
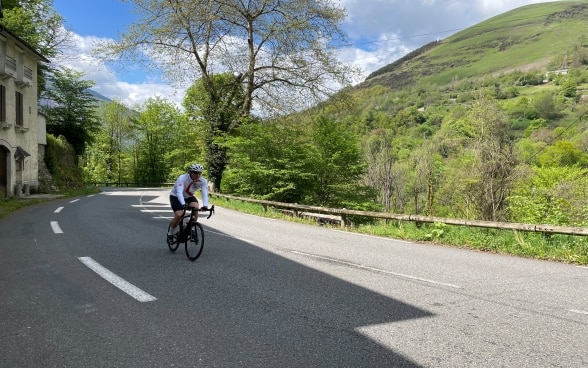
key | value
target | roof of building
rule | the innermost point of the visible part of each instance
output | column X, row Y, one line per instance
column 23, row 43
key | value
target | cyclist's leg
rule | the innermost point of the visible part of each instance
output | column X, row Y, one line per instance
column 178, row 211
column 193, row 203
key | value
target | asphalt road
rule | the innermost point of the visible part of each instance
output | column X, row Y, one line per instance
column 90, row 282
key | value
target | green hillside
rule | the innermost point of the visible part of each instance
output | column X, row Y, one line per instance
column 535, row 37
column 489, row 123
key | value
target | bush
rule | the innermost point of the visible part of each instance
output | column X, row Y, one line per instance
column 60, row 161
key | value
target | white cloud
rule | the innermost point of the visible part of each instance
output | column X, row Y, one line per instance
column 110, row 83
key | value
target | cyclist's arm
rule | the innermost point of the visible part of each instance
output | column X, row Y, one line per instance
column 178, row 190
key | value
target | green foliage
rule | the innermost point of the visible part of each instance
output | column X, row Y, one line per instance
column 335, row 160
column 436, row 232
column 535, row 125
column 569, row 88
column 551, row 195
column 71, row 111
column 214, row 104
column 318, row 163
column 268, row 161
column 60, row 161
column 160, row 127
column 106, row 159
column 563, row 153
column 546, row 105
column 521, row 108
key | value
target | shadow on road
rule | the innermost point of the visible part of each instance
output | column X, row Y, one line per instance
column 256, row 308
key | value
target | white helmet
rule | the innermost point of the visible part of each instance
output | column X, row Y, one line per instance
column 196, row 168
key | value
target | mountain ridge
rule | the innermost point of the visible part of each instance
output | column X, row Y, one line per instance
column 537, row 36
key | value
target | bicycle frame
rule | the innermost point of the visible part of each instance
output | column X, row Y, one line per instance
column 190, row 215
column 193, row 211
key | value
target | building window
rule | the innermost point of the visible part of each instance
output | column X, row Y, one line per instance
column 19, row 109
column 2, row 103
column 10, row 66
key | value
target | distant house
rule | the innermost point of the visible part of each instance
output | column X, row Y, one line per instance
column 22, row 129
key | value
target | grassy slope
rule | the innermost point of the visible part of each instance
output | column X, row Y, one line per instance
column 526, row 38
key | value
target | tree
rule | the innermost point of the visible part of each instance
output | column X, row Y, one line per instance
column 269, row 161
column 563, row 153
column 281, row 52
column 104, row 159
column 71, row 109
column 425, row 176
column 494, row 161
column 545, row 105
column 379, row 154
column 215, row 118
column 315, row 162
column 157, row 126
column 336, row 162
column 569, row 88
column 270, row 46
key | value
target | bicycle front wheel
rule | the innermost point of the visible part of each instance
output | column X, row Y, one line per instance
column 195, row 242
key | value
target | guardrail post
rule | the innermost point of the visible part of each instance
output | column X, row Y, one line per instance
column 343, row 220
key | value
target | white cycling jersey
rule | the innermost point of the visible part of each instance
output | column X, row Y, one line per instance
column 185, row 187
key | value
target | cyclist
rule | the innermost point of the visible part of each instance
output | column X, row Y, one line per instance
column 183, row 192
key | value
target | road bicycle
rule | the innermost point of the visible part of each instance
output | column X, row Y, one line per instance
column 191, row 233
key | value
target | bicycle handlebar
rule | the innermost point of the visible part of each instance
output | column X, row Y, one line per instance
column 210, row 210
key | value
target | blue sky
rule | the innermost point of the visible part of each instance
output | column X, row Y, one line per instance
column 381, row 31
column 104, row 18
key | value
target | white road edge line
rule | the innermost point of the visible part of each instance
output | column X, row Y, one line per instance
column 115, row 280
column 578, row 311
column 55, row 227
column 74, row 201
column 58, row 210
column 375, row 269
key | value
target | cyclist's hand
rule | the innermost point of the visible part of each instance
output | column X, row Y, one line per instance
column 203, row 208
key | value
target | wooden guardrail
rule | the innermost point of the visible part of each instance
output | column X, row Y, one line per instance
column 304, row 210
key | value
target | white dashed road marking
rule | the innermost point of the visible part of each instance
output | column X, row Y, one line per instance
column 56, row 228
column 115, row 280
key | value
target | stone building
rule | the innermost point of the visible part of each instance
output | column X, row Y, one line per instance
column 22, row 128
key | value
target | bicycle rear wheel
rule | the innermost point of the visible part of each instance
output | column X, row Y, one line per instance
column 172, row 242
column 195, row 242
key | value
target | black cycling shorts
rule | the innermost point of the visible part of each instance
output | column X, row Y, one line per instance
column 176, row 205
